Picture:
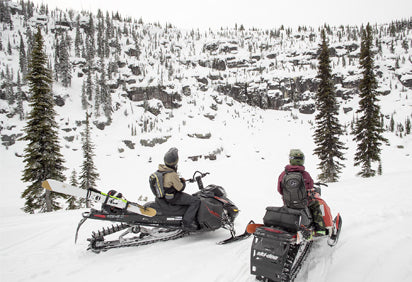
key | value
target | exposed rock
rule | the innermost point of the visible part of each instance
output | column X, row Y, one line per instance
column 169, row 100
column 59, row 101
column 135, row 70
column 200, row 136
column 154, row 141
column 347, row 109
column 100, row 125
column 8, row 140
column 129, row 144
column 186, row 90
column 211, row 157
column 406, row 80
column 307, row 109
column 209, row 116
column 195, row 158
column 69, row 138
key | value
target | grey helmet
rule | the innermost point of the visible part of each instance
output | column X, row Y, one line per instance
column 171, row 157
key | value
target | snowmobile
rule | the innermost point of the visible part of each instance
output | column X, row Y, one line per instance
column 284, row 240
column 155, row 221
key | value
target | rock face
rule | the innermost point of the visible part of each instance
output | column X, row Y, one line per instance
column 170, row 101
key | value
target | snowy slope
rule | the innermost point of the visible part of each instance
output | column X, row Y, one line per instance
column 375, row 242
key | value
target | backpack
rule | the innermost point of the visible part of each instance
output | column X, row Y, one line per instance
column 295, row 195
column 156, row 183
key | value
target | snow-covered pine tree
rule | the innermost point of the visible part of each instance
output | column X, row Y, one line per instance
column 78, row 40
column 88, row 174
column 368, row 128
column 328, row 130
column 89, row 85
column 84, row 97
column 22, row 58
column 64, row 63
column 106, row 97
column 100, row 34
column 408, row 125
column 19, row 98
column 74, row 203
column 42, row 156
column 29, row 41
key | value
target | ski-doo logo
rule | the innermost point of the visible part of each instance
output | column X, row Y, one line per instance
column 268, row 256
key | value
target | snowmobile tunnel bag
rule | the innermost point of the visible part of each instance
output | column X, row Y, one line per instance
column 287, row 218
column 209, row 214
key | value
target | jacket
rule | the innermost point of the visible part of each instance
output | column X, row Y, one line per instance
column 171, row 181
column 306, row 177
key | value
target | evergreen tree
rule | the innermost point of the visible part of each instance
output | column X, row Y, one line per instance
column 328, row 130
column 64, row 64
column 29, row 41
column 368, row 129
column 42, row 157
column 22, row 58
column 89, row 85
column 72, row 202
column 78, row 41
column 9, row 86
column 56, row 59
column 89, row 173
column 9, row 50
column 85, row 104
column 106, row 98
column 408, row 125
column 19, row 98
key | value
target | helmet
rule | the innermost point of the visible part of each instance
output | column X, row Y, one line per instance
column 171, row 157
column 296, row 157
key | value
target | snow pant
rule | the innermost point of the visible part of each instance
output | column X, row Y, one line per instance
column 317, row 216
column 193, row 203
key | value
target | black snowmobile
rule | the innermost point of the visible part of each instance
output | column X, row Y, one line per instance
column 215, row 211
column 283, row 241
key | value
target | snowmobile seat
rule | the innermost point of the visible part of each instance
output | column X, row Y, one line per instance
column 164, row 208
column 287, row 218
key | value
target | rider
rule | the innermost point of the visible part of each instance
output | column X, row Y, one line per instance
column 174, row 186
column 296, row 161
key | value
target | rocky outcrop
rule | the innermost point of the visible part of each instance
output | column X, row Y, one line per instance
column 169, row 100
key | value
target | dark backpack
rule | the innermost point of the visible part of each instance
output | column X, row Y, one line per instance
column 295, row 195
column 156, row 183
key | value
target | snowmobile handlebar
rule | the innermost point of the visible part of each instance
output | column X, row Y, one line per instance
column 197, row 176
column 316, row 187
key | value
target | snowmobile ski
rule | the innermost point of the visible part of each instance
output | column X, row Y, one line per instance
column 97, row 196
column 337, row 224
column 240, row 237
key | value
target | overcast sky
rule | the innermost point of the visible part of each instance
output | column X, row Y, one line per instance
column 250, row 13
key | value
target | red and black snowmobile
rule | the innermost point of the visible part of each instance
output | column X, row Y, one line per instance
column 281, row 244
column 155, row 221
